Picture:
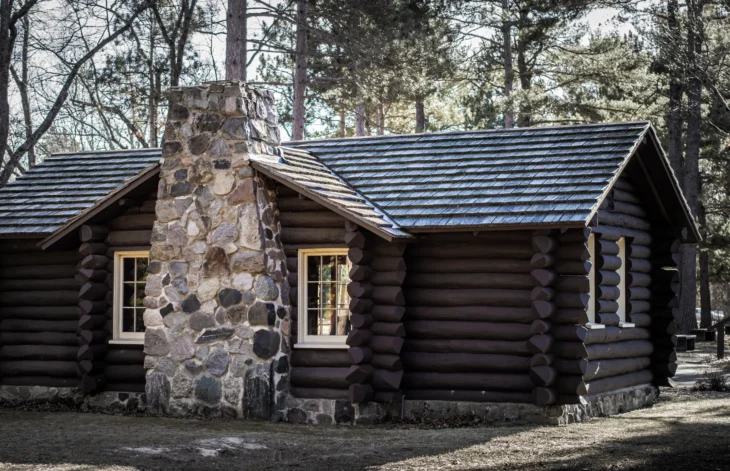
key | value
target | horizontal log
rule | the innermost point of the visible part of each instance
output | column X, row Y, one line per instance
column 28, row 325
column 638, row 279
column 388, row 264
column 468, row 297
column 34, row 352
column 89, row 384
column 388, row 278
column 467, row 396
column 575, row 283
column 614, row 383
column 454, row 250
column 39, row 298
column 543, row 375
column 392, row 329
column 628, row 349
column 614, row 233
column 39, row 338
column 569, row 316
column 636, row 306
column 354, row 238
column 542, row 260
column 388, row 313
column 607, row 278
column 573, row 251
column 620, row 195
column 388, row 295
column 324, row 358
column 318, row 219
column 95, row 262
column 129, row 238
column 472, row 313
column 357, row 355
column 357, row 273
column 301, row 235
column 38, row 368
column 623, row 220
column 359, row 393
column 479, row 238
column 608, row 318
column 638, row 265
column 319, row 377
column 386, row 344
column 542, row 359
column 93, row 248
column 638, row 251
column 387, row 362
column 361, row 321
column 565, row 299
column 48, row 313
column 544, row 244
column 44, row 272
column 359, row 337
column 465, row 264
column 359, row 256
column 640, row 319
column 469, row 280
column 39, row 285
column 467, row 330
column 92, row 233
column 638, row 294
column 41, row 258
column 89, row 274
column 610, row 293
column 46, row 381
column 571, row 366
column 92, row 322
column 360, row 305
column 388, row 249
column 359, row 374
column 384, row 380
column 605, row 306
column 467, row 346
column 544, row 396
column 574, row 235
column 128, row 356
column 571, row 385
column 570, row 267
column 91, row 368
column 467, row 381
column 297, row 204
column 91, row 291
column 540, row 326
column 540, row 343
column 357, row 289
column 319, row 393
column 608, row 262
column 612, row 367
column 92, row 352
column 466, row 362
column 543, row 276
column 90, row 337
column 542, row 293
column 92, row 307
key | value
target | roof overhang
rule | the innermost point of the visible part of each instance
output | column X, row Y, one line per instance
column 663, row 185
column 125, row 189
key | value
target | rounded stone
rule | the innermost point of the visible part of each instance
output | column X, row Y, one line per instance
column 296, row 416
column 236, row 314
column 208, row 389
column 182, row 348
column 229, row 296
column 223, row 183
column 243, row 281
column 266, row 288
column 152, row 318
column 155, row 342
column 191, row 304
column 200, row 321
column 245, row 192
column 208, row 289
column 265, row 343
column 261, row 314
column 217, row 362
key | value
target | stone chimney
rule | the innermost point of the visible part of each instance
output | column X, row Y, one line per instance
column 217, row 318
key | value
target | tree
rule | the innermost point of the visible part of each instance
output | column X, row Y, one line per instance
column 236, row 54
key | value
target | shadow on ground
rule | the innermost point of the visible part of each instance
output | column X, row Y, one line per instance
column 682, row 431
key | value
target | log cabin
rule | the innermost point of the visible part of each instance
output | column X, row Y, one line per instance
column 517, row 274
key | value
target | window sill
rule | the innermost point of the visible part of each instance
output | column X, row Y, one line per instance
column 341, row 346
column 594, row 326
column 626, row 325
column 126, row 342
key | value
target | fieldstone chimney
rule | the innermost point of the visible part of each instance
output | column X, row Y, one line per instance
column 217, row 318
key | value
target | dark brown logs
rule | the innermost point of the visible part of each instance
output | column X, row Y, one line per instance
column 129, row 238
column 91, row 291
column 570, row 267
column 468, row 395
column 86, row 337
column 359, row 256
column 472, row 313
column 607, row 367
column 319, row 377
column 566, row 299
column 46, row 272
column 357, row 272
column 540, row 343
column 451, row 250
column 543, row 277
column 358, row 289
column 39, row 285
column 607, row 278
column 388, row 313
column 38, row 368
column 576, row 283
column 467, row 330
column 466, row 362
column 468, row 280
column 38, row 338
column 638, row 265
column 34, row 352
column 569, row 316
column 388, row 295
column 467, row 346
column 478, row 381
column 360, row 305
column 387, row 362
column 56, row 313
column 573, row 251
column 614, row 383
column 666, row 370
column 390, row 329
column 610, row 293
column 543, row 396
column 385, row 263
column 89, row 233
column 95, row 262
column 92, row 322
column 127, row 356
column 47, row 381
column 622, row 220
column 543, row 375
column 89, row 274
column 125, row 373
column 468, row 297
column 25, row 325
column 465, row 265
column 319, row 393
column 301, row 235
column 324, row 358
column 92, row 307
column 360, row 321
column 359, row 337
column 359, row 393
column 638, row 279
column 92, row 248
column 543, row 309
column 640, row 320
column 388, row 278
column 309, row 219
column 385, row 344
column 615, row 233
column 359, row 374
column 387, row 380
column 542, row 260
column 39, row 298
column 91, row 352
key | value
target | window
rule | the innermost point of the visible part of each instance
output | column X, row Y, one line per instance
column 622, row 279
column 130, row 276
column 592, row 279
column 324, row 305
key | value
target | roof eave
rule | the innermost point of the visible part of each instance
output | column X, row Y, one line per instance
column 118, row 193
column 492, row 227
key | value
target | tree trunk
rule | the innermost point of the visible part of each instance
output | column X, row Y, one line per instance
column 23, row 88
column 420, row 117
column 236, row 40
column 525, row 73
column 705, row 293
column 381, row 119
column 509, row 73
column 360, row 117
column 300, row 74
column 154, row 78
column 7, row 40
column 674, row 111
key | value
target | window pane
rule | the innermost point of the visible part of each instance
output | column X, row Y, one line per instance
column 343, row 322
column 313, row 322
column 142, row 264
column 343, row 270
column 313, row 265
column 139, row 299
column 327, row 322
column 128, row 269
column 128, row 320
column 139, row 320
column 328, row 295
column 128, row 295
column 343, row 299
column 312, row 295
column 328, row 268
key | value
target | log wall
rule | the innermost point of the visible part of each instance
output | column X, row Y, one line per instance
column 315, row 373
column 38, row 315
column 469, row 317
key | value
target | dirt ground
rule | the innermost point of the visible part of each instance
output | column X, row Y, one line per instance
column 685, row 430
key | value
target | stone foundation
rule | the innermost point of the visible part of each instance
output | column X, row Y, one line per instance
column 106, row 402
column 329, row 411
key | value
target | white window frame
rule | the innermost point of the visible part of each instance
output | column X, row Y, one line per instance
column 592, row 280
column 305, row 340
column 118, row 336
column 622, row 279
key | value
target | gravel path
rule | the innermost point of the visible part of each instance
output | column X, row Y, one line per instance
column 686, row 430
